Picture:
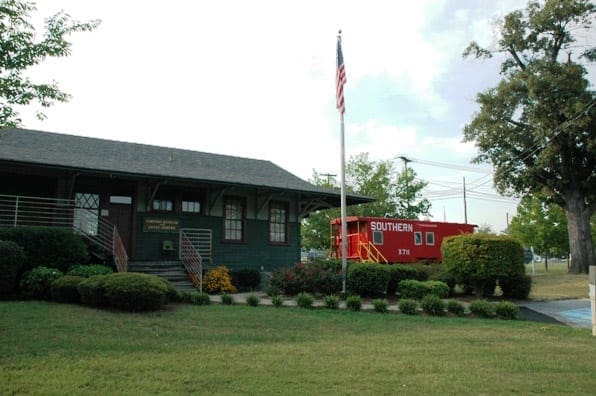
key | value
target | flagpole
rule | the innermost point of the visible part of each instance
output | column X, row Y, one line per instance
column 344, row 226
column 341, row 106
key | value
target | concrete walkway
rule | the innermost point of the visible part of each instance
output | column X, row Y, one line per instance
column 574, row 313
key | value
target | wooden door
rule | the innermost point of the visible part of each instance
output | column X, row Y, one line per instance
column 120, row 214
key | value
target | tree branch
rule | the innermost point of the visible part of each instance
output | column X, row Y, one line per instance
column 517, row 123
column 521, row 64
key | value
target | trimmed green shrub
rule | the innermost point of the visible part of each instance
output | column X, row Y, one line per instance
column 447, row 279
column 433, row 305
column 437, row 288
column 381, row 305
column 227, row 299
column 408, row 306
column 507, row 310
column 305, row 300
column 272, row 291
column 277, row 301
column 332, row 301
column 37, row 283
column 516, row 287
column 483, row 308
column 368, row 279
column 47, row 246
column 65, row 289
column 196, row 298
column 130, row 291
column 92, row 291
column 456, row 308
column 253, row 300
column 354, row 302
column 89, row 270
column 478, row 259
column 246, row 279
column 12, row 259
column 398, row 273
column 411, row 288
column 308, row 277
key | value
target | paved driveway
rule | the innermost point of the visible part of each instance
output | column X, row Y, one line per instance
column 575, row 313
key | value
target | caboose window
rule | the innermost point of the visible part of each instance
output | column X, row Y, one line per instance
column 430, row 238
column 418, row 238
column 378, row 237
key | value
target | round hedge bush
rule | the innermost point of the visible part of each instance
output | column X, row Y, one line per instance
column 305, row 300
column 507, row 310
column 92, row 291
column 479, row 259
column 66, row 290
column 370, row 280
column 408, row 306
column 433, row 305
column 130, row 291
column 12, row 259
column 456, row 308
column 483, row 309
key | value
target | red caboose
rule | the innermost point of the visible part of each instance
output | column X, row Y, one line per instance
column 385, row 240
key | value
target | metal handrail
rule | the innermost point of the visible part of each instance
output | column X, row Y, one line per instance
column 373, row 253
column 192, row 261
column 119, row 252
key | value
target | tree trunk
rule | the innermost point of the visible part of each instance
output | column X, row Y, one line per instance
column 580, row 239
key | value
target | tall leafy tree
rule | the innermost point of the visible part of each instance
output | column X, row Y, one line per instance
column 377, row 179
column 537, row 126
column 540, row 225
column 19, row 50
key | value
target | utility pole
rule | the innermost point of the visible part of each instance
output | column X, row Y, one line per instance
column 328, row 176
column 465, row 204
column 406, row 160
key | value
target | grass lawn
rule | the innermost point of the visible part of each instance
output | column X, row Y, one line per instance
column 49, row 348
column 557, row 283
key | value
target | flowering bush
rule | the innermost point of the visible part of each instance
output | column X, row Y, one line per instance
column 307, row 277
column 218, row 280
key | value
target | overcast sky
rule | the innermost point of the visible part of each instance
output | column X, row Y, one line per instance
column 257, row 79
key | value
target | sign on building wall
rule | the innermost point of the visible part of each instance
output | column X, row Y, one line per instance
column 161, row 225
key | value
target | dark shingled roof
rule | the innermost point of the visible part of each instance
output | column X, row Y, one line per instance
column 84, row 153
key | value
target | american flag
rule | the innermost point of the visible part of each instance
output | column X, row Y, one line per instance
column 340, row 78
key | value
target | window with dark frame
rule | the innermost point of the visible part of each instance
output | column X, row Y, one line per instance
column 430, row 238
column 163, row 205
column 378, row 237
column 191, row 206
column 86, row 213
column 418, row 238
column 278, row 222
column 234, row 213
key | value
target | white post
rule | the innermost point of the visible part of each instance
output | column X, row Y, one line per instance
column 16, row 211
column 593, row 297
column 344, row 226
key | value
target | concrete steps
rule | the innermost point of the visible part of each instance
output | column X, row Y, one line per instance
column 173, row 271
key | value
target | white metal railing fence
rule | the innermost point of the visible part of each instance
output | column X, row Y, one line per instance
column 191, row 259
column 201, row 240
column 16, row 210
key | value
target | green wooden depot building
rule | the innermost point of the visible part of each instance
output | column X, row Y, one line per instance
column 148, row 204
